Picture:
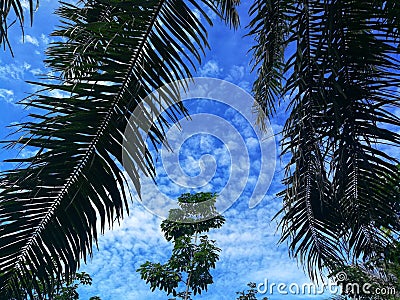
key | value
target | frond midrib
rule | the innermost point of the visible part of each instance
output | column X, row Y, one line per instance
column 92, row 146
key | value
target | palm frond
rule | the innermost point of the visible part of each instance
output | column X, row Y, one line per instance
column 18, row 10
column 115, row 54
column 341, row 83
column 270, row 28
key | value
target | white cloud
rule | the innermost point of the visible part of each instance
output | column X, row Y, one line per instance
column 249, row 253
column 29, row 39
column 58, row 94
column 7, row 95
column 210, row 69
column 247, row 239
column 36, row 71
column 45, row 40
column 26, row 152
column 14, row 71
column 236, row 73
column 25, row 4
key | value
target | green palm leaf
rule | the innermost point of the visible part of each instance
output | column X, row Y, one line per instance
column 116, row 52
column 16, row 6
column 341, row 78
column 270, row 29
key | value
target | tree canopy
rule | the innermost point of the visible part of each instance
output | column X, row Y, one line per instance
column 193, row 255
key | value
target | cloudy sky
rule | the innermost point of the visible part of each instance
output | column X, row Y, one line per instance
column 249, row 241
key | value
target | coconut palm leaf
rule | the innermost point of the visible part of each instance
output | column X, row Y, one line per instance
column 114, row 53
column 270, row 29
column 341, row 84
column 17, row 7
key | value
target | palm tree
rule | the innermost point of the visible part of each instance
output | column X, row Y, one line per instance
column 116, row 52
column 334, row 65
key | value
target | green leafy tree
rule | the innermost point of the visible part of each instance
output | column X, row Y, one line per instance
column 193, row 254
column 250, row 294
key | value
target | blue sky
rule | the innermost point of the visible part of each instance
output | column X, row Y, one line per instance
column 248, row 239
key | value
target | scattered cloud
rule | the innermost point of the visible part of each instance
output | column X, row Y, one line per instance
column 14, row 71
column 25, row 4
column 210, row 69
column 7, row 95
column 236, row 73
column 29, row 39
column 36, row 71
column 247, row 239
column 44, row 38
column 58, row 94
column 249, row 253
column 27, row 152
